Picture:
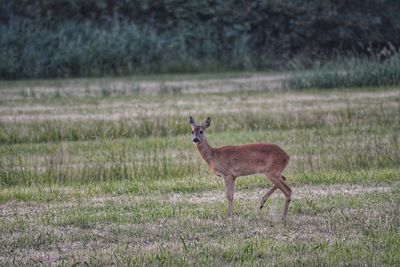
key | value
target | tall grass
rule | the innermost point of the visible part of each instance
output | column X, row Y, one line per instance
column 346, row 72
column 347, row 142
column 121, row 162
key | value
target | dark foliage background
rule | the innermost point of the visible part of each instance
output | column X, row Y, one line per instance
column 70, row 38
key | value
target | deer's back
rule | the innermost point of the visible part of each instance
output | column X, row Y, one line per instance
column 249, row 159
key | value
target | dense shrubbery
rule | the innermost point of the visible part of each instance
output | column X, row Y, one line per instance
column 64, row 38
column 348, row 72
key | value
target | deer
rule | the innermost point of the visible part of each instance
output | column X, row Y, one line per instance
column 230, row 162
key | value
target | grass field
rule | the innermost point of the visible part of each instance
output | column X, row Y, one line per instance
column 103, row 172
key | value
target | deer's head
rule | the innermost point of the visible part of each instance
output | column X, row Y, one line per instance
column 199, row 130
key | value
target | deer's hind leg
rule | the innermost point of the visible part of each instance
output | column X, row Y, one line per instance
column 267, row 195
column 279, row 182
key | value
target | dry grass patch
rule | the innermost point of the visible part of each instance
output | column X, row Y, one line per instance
column 118, row 109
column 129, row 87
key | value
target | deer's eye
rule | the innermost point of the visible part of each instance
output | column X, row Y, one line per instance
column 192, row 132
column 201, row 132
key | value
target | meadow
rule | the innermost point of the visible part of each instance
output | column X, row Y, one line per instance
column 103, row 172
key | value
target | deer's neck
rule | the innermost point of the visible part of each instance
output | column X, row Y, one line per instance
column 206, row 151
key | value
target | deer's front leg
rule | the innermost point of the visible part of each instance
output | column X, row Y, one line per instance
column 230, row 190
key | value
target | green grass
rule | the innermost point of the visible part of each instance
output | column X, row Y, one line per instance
column 325, row 230
column 119, row 181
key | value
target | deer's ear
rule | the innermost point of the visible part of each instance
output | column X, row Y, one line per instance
column 207, row 122
column 192, row 121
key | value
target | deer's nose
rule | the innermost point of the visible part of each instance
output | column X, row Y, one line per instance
column 196, row 140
